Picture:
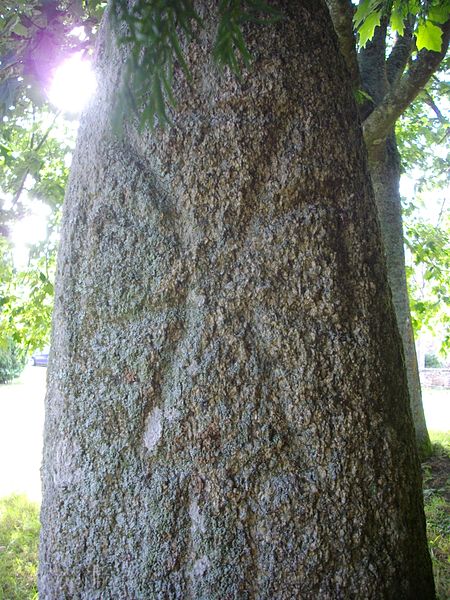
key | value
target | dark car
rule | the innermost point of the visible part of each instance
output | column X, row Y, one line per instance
column 40, row 359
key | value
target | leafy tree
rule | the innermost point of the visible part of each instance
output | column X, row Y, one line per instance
column 387, row 76
column 28, row 302
column 227, row 409
column 429, row 276
column 422, row 132
column 11, row 363
column 36, row 145
column 432, row 361
column 423, row 128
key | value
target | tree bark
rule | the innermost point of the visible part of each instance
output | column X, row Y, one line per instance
column 227, row 409
column 384, row 164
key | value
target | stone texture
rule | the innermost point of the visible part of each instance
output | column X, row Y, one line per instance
column 227, row 413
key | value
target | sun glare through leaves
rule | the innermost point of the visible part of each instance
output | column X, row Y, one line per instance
column 73, row 84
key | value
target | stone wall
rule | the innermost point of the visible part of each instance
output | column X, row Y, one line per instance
column 435, row 377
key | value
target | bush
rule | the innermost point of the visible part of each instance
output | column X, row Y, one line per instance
column 19, row 539
column 11, row 363
column 432, row 362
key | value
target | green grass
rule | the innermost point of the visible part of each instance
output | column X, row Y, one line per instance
column 19, row 538
column 436, row 483
column 441, row 442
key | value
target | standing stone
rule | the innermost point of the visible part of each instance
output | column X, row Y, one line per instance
column 227, row 412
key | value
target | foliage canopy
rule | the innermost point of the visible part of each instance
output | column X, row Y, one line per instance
column 427, row 18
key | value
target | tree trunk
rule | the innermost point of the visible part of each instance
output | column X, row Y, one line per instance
column 384, row 166
column 227, row 412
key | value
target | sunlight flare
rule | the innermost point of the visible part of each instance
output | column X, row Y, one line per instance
column 73, row 84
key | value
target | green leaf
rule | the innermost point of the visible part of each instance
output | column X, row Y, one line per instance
column 397, row 22
column 361, row 96
column 439, row 13
column 367, row 29
column 5, row 152
column 20, row 29
column 179, row 54
column 48, row 288
column 362, row 12
column 429, row 36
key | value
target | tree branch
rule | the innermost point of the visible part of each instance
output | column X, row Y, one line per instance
column 441, row 212
column 428, row 99
column 342, row 12
column 400, row 53
column 372, row 67
column 381, row 121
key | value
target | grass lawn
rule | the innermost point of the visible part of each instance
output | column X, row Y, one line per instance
column 19, row 538
column 436, row 493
